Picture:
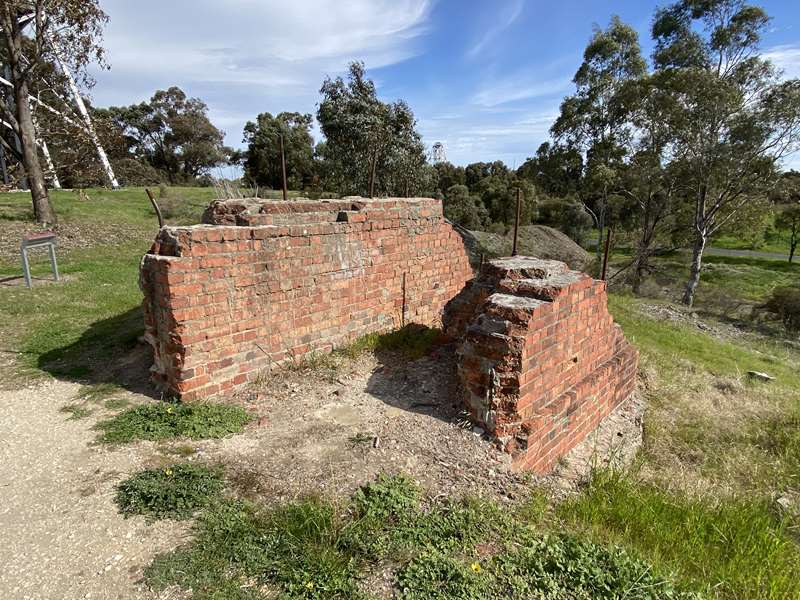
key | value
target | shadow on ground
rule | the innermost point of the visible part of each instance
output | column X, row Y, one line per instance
column 108, row 352
column 425, row 381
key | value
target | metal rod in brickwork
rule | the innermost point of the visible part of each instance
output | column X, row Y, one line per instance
column 403, row 308
column 516, row 222
column 283, row 170
column 605, row 254
column 155, row 206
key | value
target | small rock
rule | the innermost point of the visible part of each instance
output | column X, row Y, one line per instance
column 784, row 504
column 759, row 376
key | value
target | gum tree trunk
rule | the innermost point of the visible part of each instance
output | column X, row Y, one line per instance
column 42, row 209
column 696, row 267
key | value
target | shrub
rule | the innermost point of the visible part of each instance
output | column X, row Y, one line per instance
column 173, row 492
column 785, row 304
column 163, row 420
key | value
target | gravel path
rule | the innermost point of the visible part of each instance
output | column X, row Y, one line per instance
column 62, row 537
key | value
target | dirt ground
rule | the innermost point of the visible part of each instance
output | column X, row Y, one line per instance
column 321, row 430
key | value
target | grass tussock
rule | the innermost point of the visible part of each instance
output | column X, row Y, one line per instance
column 175, row 492
column 469, row 550
column 736, row 548
column 164, row 420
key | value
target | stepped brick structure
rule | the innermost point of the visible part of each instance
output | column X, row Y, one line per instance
column 263, row 282
column 541, row 359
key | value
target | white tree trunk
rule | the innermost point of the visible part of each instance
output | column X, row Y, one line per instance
column 51, row 169
column 87, row 119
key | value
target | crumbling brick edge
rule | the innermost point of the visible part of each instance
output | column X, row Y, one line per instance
column 540, row 358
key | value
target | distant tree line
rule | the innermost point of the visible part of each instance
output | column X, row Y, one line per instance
column 670, row 152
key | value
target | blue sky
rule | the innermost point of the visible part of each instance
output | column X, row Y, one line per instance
column 483, row 77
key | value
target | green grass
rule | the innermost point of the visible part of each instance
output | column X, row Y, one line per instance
column 412, row 342
column 128, row 206
column 670, row 345
column 735, row 549
column 70, row 328
column 164, row 420
column 473, row 550
column 75, row 411
column 773, row 241
column 172, row 492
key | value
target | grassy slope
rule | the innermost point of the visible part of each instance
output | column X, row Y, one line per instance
column 699, row 503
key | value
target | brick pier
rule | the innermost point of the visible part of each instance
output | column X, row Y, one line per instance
column 541, row 359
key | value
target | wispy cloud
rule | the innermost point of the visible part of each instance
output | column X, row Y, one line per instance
column 508, row 15
column 249, row 56
column 517, row 88
column 787, row 58
column 511, row 136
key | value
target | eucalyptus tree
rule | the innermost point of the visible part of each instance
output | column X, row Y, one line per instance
column 263, row 157
column 787, row 197
column 371, row 146
column 171, row 132
column 730, row 119
column 36, row 34
column 594, row 120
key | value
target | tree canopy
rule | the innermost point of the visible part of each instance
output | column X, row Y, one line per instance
column 172, row 133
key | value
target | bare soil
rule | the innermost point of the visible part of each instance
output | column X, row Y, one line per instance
column 322, row 429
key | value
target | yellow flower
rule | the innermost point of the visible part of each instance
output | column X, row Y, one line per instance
column 170, row 410
column 310, row 585
column 476, row 567
column 168, row 472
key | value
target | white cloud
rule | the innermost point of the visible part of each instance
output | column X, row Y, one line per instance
column 511, row 136
column 519, row 88
column 787, row 58
column 249, row 56
column 508, row 15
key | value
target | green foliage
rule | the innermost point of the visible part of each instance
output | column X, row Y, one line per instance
column 294, row 547
column 174, row 492
column 463, row 208
column 309, row 549
column 568, row 215
column 368, row 142
column 412, row 341
column 164, row 420
column 788, row 221
column 737, row 549
column 263, row 163
column 556, row 170
column 784, row 303
column 433, row 575
column 75, row 411
column 171, row 133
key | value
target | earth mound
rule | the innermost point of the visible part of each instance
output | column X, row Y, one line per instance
column 534, row 240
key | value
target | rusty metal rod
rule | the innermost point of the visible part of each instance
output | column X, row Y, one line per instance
column 283, row 170
column 155, row 206
column 516, row 222
column 605, row 254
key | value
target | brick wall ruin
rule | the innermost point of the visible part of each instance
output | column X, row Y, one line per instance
column 262, row 282
column 541, row 360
